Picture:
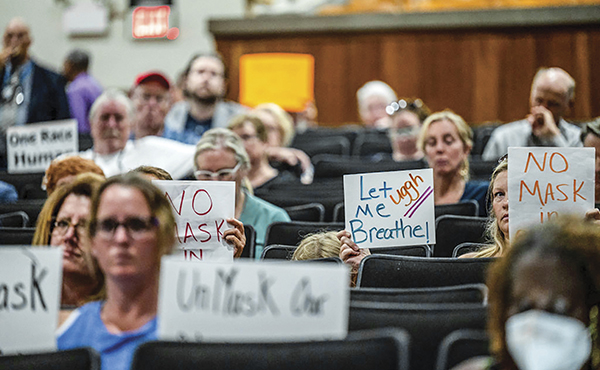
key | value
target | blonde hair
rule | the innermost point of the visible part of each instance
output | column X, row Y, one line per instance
column 222, row 138
column 284, row 121
column 464, row 132
column 499, row 243
column 318, row 245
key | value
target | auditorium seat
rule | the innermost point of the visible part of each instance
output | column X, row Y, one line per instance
column 311, row 212
column 385, row 271
column 467, row 293
column 427, row 324
column 451, row 230
column 31, row 207
column 365, row 350
column 73, row 359
column 292, row 233
column 250, row 246
column 16, row 235
column 461, row 345
column 467, row 247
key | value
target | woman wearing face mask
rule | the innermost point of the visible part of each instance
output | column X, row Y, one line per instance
column 543, row 300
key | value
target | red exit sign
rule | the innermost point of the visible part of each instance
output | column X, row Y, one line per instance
column 153, row 22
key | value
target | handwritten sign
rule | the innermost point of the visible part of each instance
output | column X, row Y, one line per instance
column 545, row 182
column 252, row 301
column 201, row 209
column 390, row 208
column 31, row 148
column 281, row 78
column 30, row 283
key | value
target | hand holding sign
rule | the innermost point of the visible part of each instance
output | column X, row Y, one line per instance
column 203, row 213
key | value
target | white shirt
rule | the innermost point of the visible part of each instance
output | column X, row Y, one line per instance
column 172, row 156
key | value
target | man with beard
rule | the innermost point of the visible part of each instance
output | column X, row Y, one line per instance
column 29, row 92
column 152, row 100
column 110, row 120
column 204, row 107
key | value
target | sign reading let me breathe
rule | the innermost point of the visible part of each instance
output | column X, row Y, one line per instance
column 390, row 208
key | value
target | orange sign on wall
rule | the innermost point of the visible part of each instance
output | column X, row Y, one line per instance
column 281, row 78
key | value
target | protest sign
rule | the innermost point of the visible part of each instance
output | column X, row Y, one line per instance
column 30, row 284
column 32, row 147
column 386, row 209
column 546, row 182
column 286, row 79
column 252, row 301
column 201, row 209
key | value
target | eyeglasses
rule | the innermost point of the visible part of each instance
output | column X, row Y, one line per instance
column 60, row 227
column 219, row 175
column 402, row 104
column 503, row 158
column 136, row 227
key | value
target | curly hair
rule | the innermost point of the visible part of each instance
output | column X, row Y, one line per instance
column 568, row 238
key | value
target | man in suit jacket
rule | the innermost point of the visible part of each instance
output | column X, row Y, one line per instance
column 29, row 93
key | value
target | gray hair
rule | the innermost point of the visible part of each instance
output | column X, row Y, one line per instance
column 375, row 88
column 112, row 94
column 222, row 138
column 562, row 73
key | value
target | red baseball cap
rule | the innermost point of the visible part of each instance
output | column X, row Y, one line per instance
column 152, row 76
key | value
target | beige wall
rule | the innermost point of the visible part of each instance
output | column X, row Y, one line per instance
column 116, row 57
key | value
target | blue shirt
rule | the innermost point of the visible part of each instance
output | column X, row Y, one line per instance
column 260, row 214
column 477, row 190
column 85, row 328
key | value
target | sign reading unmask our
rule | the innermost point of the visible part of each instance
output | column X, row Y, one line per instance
column 252, row 301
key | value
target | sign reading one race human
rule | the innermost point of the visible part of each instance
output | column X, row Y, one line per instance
column 386, row 209
column 30, row 283
column 252, row 301
column 31, row 148
column 546, row 182
column 201, row 210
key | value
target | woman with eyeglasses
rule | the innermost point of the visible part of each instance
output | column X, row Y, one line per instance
column 62, row 223
column 220, row 156
column 131, row 227
column 250, row 128
column 407, row 116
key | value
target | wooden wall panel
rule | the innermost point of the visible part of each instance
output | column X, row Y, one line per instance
column 483, row 75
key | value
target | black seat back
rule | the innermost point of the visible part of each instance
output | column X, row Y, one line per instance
column 451, row 231
column 468, row 293
column 385, row 271
column 292, row 233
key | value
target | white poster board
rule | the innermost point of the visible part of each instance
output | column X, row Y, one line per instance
column 32, row 147
column 30, row 288
column 386, row 209
column 201, row 209
column 252, row 301
column 546, row 182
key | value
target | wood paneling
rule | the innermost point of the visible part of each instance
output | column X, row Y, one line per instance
column 482, row 74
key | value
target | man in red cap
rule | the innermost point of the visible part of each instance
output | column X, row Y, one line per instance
column 152, row 100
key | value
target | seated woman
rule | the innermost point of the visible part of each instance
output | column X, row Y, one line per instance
column 61, row 223
column 220, row 156
column 543, row 300
column 130, row 229
column 280, row 132
column 497, row 226
column 254, row 135
column 446, row 140
column 317, row 246
column 407, row 116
